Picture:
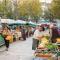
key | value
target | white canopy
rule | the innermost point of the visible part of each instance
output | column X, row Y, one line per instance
column 11, row 21
column 32, row 23
column 4, row 20
column 8, row 21
column 20, row 22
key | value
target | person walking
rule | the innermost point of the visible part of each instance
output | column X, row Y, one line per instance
column 7, row 36
column 23, row 33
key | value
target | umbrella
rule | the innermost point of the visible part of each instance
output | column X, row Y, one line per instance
column 31, row 24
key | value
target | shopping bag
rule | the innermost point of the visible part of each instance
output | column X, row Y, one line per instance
column 8, row 37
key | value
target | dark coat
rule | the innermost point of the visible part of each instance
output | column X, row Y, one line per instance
column 23, row 34
column 55, row 35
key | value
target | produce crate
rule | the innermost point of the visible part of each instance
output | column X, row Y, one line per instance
column 39, row 58
column 44, row 55
column 42, row 58
column 53, row 57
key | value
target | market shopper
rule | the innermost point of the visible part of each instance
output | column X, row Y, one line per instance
column 38, row 34
column 27, row 32
column 7, row 36
column 18, row 33
column 54, row 34
column 23, row 33
column 30, row 31
column 33, row 30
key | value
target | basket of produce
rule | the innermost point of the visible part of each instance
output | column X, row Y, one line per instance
column 51, row 47
column 46, row 55
column 43, row 42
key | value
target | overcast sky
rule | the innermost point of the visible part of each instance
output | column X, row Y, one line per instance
column 48, row 1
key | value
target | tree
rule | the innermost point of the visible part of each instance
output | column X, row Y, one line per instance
column 23, row 10
column 48, row 15
column 9, row 12
column 6, row 8
column 55, row 8
column 30, row 8
column 15, row 9
column 1, row 9
column 35, row 10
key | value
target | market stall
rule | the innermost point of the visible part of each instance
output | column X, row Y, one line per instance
column 31, row 24
column 46, row 50
column 20, row 22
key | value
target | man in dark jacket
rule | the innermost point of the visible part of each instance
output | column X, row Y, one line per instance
column 55, row 34
column 23, row 33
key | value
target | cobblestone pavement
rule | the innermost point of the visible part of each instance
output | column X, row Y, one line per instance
column 19, row 50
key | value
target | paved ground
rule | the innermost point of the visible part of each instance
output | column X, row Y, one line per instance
column 20, row 50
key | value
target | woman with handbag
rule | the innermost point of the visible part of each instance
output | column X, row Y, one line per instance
column 7, row 36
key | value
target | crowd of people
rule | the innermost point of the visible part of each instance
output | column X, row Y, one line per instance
column 19, row 33
column 51, row 31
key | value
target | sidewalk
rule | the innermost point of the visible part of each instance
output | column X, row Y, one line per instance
column 20, row 50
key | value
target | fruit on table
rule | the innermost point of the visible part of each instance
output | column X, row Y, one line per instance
column 41, row 45
column 51, row 46
column 47, row 37
column 44, row 41
column 58, row 53
column 58, row 40
column 43, row 55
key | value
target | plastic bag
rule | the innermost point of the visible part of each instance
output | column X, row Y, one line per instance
column 8, row 37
